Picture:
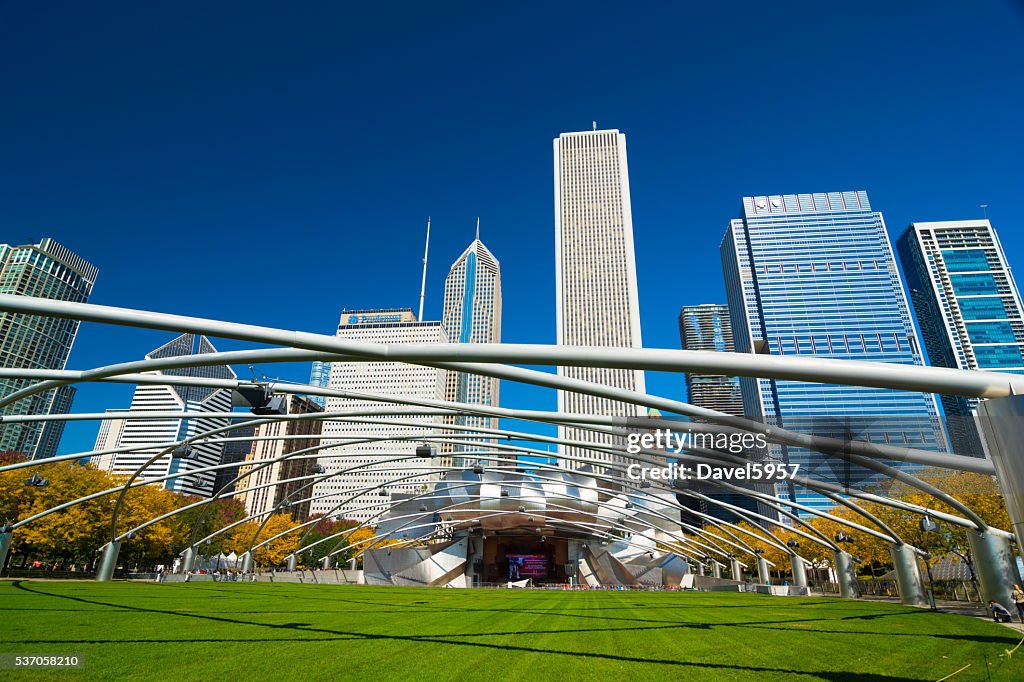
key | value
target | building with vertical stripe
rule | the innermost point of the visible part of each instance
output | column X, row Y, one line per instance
column 472, row 314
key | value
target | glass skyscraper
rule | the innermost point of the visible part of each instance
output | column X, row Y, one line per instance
column 815, row 275
column 44, row 270
column 968, row 307
column 320, row 376
column 708, row 327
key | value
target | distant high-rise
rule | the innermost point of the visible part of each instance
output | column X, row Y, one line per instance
column 290, row 476
column 814, row 275
column 707, row 327
column 472, row 314
column 43, row 270
column 234, row 452
column 363, row 487
column 160, row 433
column 968, row 307
column 595, row 272
column 320, row 376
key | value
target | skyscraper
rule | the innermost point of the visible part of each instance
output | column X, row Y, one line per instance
column 472, row 314
column 968, row 307
column 283, row 473
column 707, row 327
column 595, row 272
column 44, row 270
column 159, row 433
column 320, row 375
column 815, row 275
column 364, row 464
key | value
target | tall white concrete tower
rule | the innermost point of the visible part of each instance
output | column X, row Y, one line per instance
column 595, row 270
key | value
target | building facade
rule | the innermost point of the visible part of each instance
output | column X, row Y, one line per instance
column 472, row 314
column 147, row 437
column 275, row 485
column 235, row 450
column 707, row 327
column 968, row 308
column 815, row 275
column 358, row 487
column 43, row 270
column 595, row 274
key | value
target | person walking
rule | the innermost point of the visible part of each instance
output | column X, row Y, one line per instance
column 1018, row 599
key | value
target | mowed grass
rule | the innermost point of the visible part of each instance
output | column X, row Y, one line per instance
column 263, row 631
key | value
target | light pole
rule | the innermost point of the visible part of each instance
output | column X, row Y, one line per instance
column 928, row 525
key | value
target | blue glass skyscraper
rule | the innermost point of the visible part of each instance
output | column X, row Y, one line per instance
column 967, row 306
column 320, row 375
column 815, row 275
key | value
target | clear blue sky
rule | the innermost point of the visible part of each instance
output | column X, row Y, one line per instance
column 274, row 164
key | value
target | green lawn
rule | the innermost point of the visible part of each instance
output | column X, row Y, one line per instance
column 262, row 631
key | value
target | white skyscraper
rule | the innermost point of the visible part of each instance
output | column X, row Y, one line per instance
column 161, row 432
column 595, row 270
column 397, row 325
column 472, row 314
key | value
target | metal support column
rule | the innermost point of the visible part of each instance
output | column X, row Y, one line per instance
column 799, row 568
column 108, row 561
column 995, row 566
column 5, row 546
column 247, row 563
column 908, row 575
column 293, row 562
column 763, row 572
column 846, row 575
column 325, row 563
column 737, row 570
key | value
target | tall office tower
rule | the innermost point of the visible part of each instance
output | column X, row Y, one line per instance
column 362, row 487
column 707, row 327
column 472, row 314
column 234, row 452
column 152, row 436
column 107, row 439
column 968, row 307
column 43, row 270
column 320, row 375
column 814, row 275
column 292, row 488
column 595, row 274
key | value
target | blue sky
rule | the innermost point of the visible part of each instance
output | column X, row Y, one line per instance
column 274, row 164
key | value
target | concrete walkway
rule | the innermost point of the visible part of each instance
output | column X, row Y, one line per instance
column 963, row 608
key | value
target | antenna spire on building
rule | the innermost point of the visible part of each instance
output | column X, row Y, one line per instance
column 423, row 283
column 595, row 125
column 478, row 228
column 984, row 210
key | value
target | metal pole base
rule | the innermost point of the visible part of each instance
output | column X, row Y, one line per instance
column 908, row 576
column 763, row 572
column 846, row 575
column 325, row 563
column 995, row 566
column 716, row 569
column 188, row 561
column 108, row 561
column 737, row 571
column 247, row 562
column 799, row 568
column 5, row 547
column 293, row 562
